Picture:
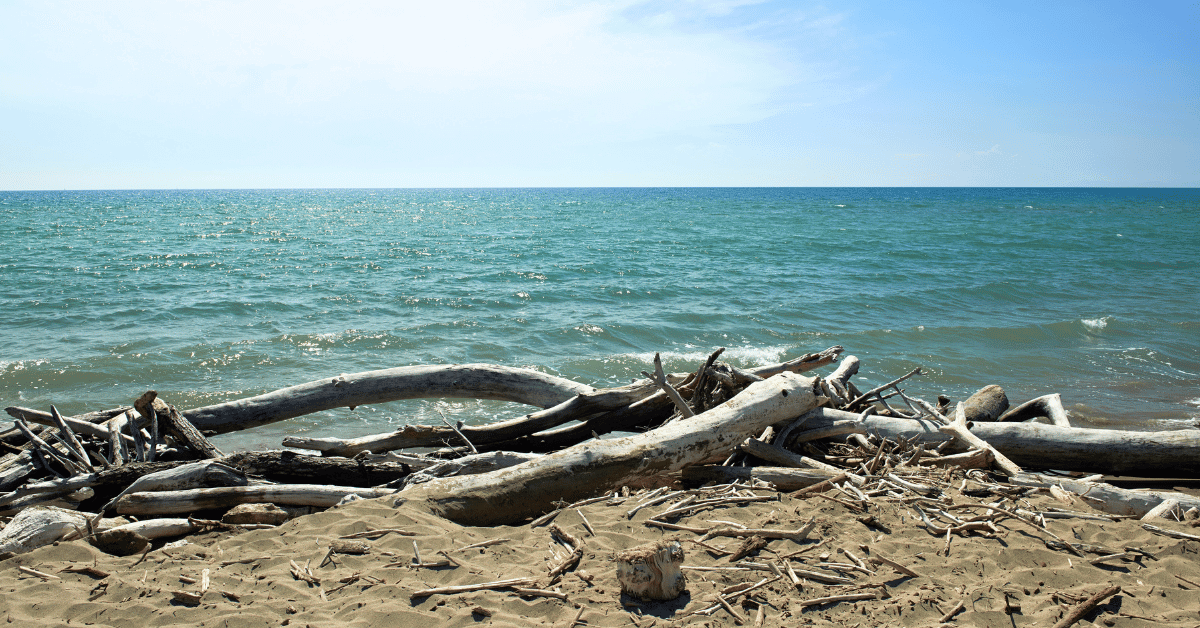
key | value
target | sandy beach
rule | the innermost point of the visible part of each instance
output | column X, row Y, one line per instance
column 258, row 578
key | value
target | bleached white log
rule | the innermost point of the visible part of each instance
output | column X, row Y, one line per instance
column 1171, row 453
column 158, row 528
column 203, row 474
column 36, row 526
column 175, row 502
column 597, row 466
column 471, row 381
column 1108, row 498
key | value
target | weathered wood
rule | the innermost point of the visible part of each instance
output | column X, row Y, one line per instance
column 784, row 479
column 1171, row 453
column 176, row 426
column 472, row 381
column 174, row 502
column 596, row 466
column 987, row 404
column 958, row 428
column 296, row 468
column 1049, row 406
column 1108, row 498
column 470, row 465
column 206, row 474
column 485, row 437
column 36, row 526
column 652, row 571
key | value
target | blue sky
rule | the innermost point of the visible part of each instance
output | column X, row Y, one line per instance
column 624, row 93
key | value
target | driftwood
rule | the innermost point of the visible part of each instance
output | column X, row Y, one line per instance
column 782, row 478
column 174, row 502
column 1108, row 498
column 987, row 404
column 473, row 381
column 295, row 468
column 525, row 490
column 1171, row 453
column 604, row 411
column 35, row 527
column 205, row 474
column 1049, row 406
column 179, row 428
column 652, row 571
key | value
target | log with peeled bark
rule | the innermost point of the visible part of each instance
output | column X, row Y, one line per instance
column 1172, row 453
column 471, row 381
column 513, row 494
column 175, row 502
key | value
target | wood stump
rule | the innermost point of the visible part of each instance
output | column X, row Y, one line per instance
column 652, row 571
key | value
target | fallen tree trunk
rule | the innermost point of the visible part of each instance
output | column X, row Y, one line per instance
column 292, row 467
column 512, row 494
column 175, row 502
column 1171, row 453
column 472, row 381
column 1108, row 498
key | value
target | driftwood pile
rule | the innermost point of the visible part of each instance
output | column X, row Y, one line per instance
column 125, row 477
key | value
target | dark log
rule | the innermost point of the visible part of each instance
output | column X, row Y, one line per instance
column 295, row 468
column 987, row 404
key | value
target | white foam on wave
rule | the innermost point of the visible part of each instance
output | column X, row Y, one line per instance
column 749, row 356
column 1096, row 323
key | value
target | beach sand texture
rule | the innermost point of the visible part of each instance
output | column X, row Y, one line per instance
column 1013, row 579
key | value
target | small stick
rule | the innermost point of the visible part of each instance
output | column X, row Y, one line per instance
column 417, row 553
column 1187, row 581
column 1171, row 533
column 660, row 378
column 578, row 616
column 962, row 604
column 736, row 615
column 539, row 593
column 481, row 545
column 879, row 389
column 33, row 572
column 1086, row 607
column 374, row 534
column 459, row 432
column 819, row 487
column 203, row 582
column 467, row 588
column 851, row 597
column 880, row 559
column 586, row 524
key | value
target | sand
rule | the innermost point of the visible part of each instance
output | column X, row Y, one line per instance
column 251, row 580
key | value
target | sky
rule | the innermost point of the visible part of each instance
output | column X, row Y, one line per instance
column 523, row 93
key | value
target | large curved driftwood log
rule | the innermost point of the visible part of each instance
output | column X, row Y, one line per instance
column 581, row 406
column 1036, row 446
column 603, row 411
column 472, row 381
column 512, row 494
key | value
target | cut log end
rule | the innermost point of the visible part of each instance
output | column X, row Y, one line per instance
column 652, row 571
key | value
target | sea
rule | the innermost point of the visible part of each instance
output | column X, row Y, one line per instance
column 214, row 295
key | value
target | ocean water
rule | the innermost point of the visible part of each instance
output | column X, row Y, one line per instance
column 212, row 295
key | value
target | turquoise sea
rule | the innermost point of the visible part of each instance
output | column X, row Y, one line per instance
column 209, row 295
